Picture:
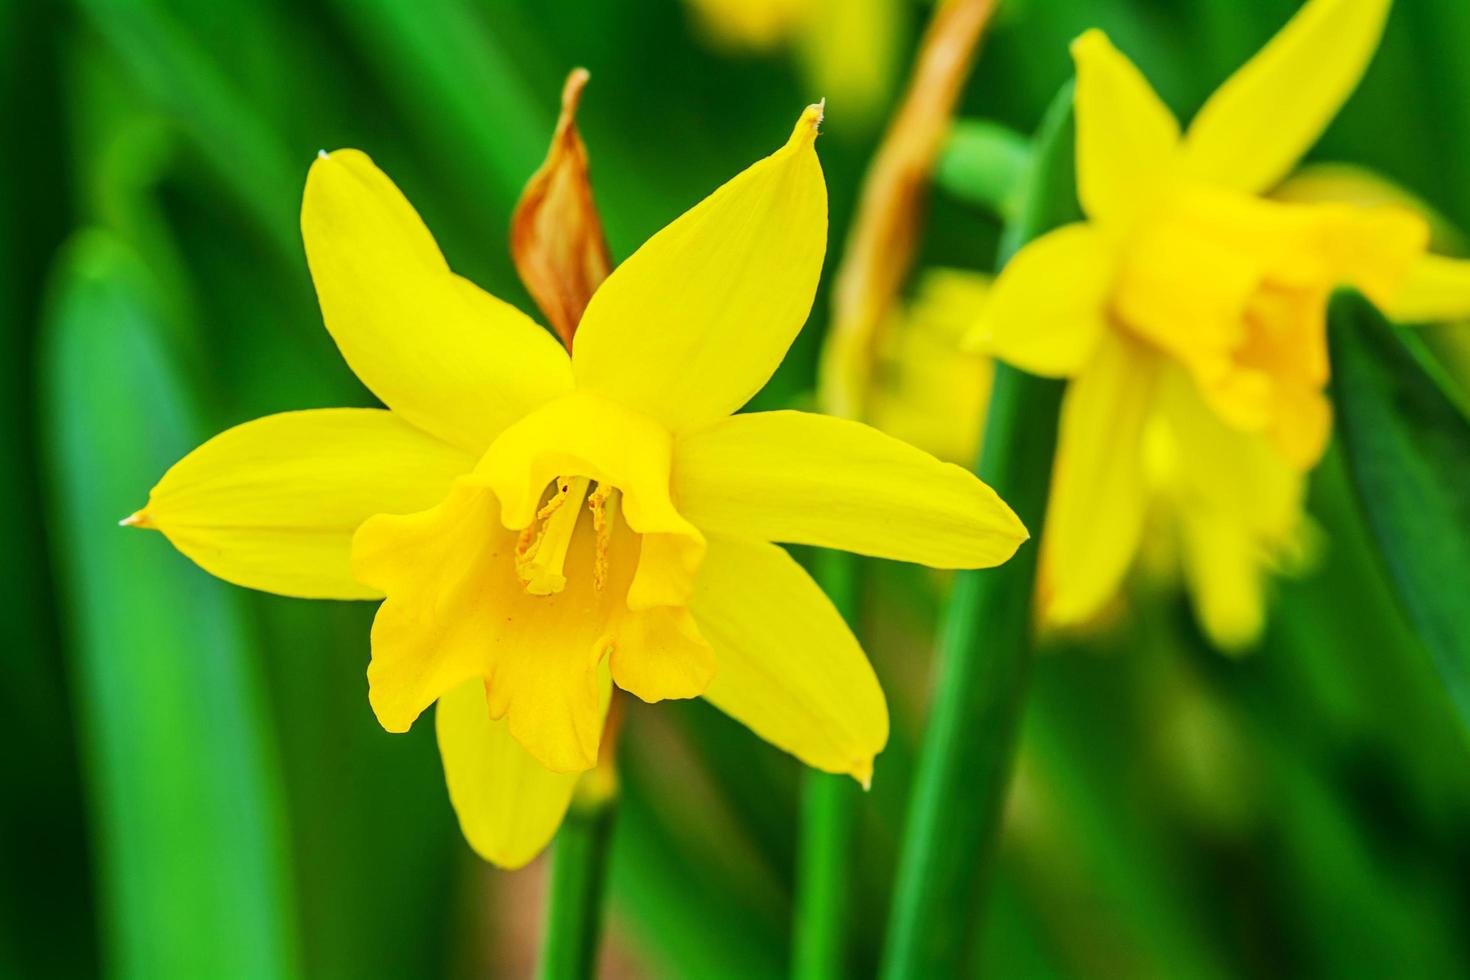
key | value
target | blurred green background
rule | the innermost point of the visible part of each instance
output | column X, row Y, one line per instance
column 195, row 785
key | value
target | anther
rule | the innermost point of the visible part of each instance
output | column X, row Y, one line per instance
column 603, row 502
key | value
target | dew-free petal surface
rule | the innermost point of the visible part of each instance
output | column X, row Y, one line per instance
column 272, row 504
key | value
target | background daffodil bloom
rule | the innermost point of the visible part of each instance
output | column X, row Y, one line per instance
column 846, row 49
column 1189, row 311
column 546, row 526
column 927, row 391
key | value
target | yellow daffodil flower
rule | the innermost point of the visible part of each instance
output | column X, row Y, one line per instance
column 1189, row 311
column 547, row 526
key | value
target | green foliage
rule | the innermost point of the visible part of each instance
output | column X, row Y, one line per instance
column 1408, row 448
column 190, row 838
column 986, row 642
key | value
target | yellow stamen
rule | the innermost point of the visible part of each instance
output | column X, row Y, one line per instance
column 603, row 502
column 539, row 561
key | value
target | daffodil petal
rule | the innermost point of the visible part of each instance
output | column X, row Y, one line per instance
column 659, row 653
column 509, row 805
column 695, row 322
column 812, row 479
column 1127, row 139
column 788, row 666
column 439, row 351
column 1379, row 249
column 272, row 504
column 1257, row 125
column 1436, row 290
column 1048, row 307
column 1226, row 580
column 1239, row 506
column 456, row 610
column 1098, row 498
column 1222, row 470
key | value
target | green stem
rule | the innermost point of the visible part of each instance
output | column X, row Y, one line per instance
column 578, row 880
column 828, row 824
column 985, row 646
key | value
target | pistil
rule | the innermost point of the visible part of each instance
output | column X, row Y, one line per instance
column 541, row 552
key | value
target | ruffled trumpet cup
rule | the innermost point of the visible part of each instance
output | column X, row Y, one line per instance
column 546, row 526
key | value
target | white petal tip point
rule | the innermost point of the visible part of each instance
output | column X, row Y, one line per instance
column 136, row 519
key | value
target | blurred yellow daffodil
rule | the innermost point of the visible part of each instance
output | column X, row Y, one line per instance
column 1189, row 312
column 847, row 49
column 927, row 391
column 545, row 526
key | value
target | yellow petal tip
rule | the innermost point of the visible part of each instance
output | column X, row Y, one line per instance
column 1093, row 39
column 138, row 518
column 807, row 126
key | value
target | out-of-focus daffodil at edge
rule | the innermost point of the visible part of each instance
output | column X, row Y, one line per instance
column 548, row 527
column 848, row 49
column 1189, row 310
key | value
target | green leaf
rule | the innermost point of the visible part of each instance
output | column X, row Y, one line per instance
column 453, row 70
column 1408, row 450
column 181, row 80
column 186, row 807
column 986, row 644
column 985, row 164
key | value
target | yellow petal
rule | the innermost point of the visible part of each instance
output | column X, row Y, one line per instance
column 1376, row 249
column 272, row 504
column 1257, row 125
column 439, row 351
column 789, row 668
column 1098, row 500
column 1346, row 183
column 695, row 322
column 660, row 653
column 1239, row 506
column 1226, row 579
column 1185, row 288
column 1302, row 424
column 1047, row 309
column 456, row 610
column 812, row 479
column 1437, row 289
column 509, row 805
column 1222, row 470
column 1127, row 139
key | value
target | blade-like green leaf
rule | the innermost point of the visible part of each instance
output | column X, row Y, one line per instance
column 1408, row 450
column 186, row 806
column 182, row 82
column 985, row 647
